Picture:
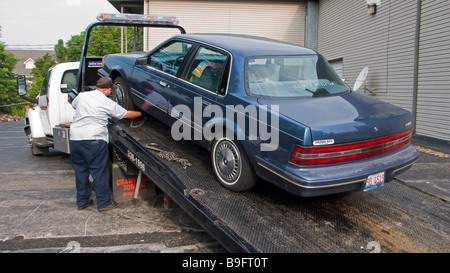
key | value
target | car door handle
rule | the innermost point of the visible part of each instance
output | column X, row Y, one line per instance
column 164, row 84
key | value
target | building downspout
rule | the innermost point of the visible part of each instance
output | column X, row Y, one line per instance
column 312, row 25
column 416, row 64
column 121, row 33
column 146, row 30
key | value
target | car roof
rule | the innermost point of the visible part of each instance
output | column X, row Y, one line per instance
column 248, row 45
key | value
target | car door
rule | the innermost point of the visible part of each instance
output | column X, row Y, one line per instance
column 204, row 78
column 153, row 81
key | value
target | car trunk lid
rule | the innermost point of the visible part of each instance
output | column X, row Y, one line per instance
column 343, row 119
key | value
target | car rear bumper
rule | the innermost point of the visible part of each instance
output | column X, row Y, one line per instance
column 331, row 179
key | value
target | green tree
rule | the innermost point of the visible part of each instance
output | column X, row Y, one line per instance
column 8, row 93
column 60, row 52
column 102, row 41
column 42, row 64
column 74, row 46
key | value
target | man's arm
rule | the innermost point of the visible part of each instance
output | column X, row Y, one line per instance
column 133, row 114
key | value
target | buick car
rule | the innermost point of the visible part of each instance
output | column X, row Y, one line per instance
column 266, row 109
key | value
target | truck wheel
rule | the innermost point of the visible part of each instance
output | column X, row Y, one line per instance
column 231, row 165
column 121, row 95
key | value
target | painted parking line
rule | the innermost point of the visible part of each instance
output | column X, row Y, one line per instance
column 432, row 152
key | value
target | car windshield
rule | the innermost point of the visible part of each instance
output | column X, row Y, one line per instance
column 292, row 77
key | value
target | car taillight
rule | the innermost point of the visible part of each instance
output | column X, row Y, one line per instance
column 319, row 155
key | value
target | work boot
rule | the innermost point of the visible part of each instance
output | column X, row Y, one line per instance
column 88, row 204
column 111, row 206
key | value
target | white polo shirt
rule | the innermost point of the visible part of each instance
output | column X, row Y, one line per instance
column 92, row 110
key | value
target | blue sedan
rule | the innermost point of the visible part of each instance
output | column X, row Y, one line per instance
column 266, row 109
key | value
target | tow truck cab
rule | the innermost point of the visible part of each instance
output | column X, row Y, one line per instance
column 47, row 122
column 51, row 112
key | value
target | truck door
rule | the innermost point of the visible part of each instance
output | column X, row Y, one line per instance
column 43, row 104
column 66, row 111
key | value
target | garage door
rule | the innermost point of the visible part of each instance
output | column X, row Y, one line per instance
column 433, row 111
column 271, row 19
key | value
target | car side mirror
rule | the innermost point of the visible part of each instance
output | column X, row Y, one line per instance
column 21, row 85
column 71, row 95
column 22, row 89
column 141, row 61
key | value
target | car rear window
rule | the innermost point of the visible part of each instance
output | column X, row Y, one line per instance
column 292, row 77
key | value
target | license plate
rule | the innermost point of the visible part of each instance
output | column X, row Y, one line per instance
column 374, row 181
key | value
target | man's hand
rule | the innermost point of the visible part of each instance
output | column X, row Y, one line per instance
column 133, row 114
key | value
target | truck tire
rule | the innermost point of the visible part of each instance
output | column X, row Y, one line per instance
column 231, row 165
column 121, row 95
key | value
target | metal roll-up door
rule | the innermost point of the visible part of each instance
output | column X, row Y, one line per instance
column 271, row 19
column 433, row 103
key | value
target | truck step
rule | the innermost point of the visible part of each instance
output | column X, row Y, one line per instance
column 44, row 143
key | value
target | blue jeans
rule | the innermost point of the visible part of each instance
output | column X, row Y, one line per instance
column 91, row 157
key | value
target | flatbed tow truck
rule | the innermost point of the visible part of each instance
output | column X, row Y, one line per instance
column 265, row 219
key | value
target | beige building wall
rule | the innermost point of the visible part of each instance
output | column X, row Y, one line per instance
column 271, row 19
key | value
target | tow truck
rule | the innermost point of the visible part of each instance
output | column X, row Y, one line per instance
column 136, row 148
column 264, row 219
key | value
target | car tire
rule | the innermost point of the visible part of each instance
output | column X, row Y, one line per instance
column 121, row 95
column 231, row 165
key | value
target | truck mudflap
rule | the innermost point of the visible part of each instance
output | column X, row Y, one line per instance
column 165, row 178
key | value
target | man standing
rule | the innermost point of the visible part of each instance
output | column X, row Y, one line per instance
column 89, row 142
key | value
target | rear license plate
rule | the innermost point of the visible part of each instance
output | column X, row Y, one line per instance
column 374, row 181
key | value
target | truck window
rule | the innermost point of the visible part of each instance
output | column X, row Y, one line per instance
column 169, row 57
column 70, row 79
column 45, row 83
column 207, row 70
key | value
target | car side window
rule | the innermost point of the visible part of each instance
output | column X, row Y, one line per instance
column 169, row 57
column 208, row 70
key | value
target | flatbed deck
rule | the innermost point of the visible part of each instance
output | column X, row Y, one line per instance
column 394, row 218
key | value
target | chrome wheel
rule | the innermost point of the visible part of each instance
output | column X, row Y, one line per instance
column 228, row 161
column 119, row 95
column 231, row 165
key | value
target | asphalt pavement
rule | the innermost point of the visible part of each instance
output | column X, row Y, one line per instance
column 38, row 211
column 431, row 172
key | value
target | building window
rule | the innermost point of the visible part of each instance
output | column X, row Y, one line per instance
column 29, row 64
column 338, row 66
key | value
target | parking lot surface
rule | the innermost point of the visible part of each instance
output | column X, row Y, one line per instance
column 38, row 211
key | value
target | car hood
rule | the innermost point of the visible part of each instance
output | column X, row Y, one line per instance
column 128, row 58
column 345, row 118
